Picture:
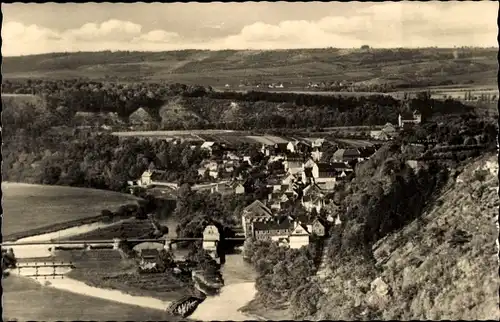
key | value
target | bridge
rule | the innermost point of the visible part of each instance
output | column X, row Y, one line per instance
column 211, row 241
column 43, row 269
column 88, row 242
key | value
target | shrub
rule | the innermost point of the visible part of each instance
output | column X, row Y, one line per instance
column 480, row 175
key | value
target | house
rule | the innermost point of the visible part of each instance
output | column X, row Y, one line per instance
column 293, row 163
column 389, row 129
column 278, row 201
column 207, row 165
column 280, row 149
column 317, row 153
column 232, row 157
column 223, row 189
column 238, row 188
column 149, row 177
column 366, row 152
column 293, row 146
column 319, row 227
column 312, row 197
column 312, row 202
column 299, row 237
column 275, row 158
column 415, row 119
column 326, row 171
column 316, row 142
column 313, row 190
column 274, row 184
column 346, row 155
column 266, row 149
column 148, row 258
column 256, row 210
column 211, row 238
column 274, row 230
column 247, row 159
column 289, row 180
column 210, row 146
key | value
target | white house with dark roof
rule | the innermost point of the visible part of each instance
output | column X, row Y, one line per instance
column 293, row 163
column 289, row 180
column 416, row 119
column 272, row 230
column 238, row 188
column 293, row 146
column 299, row 237
column 255, row 211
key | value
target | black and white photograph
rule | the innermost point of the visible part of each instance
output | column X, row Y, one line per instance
column 250, row 161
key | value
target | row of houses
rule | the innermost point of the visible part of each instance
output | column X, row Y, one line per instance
column 261, row 223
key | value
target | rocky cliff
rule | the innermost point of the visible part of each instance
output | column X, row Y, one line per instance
column 443, row 265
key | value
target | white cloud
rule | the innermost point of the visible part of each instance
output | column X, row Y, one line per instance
column 391, row 24
column 158, row 36
column 112, row 30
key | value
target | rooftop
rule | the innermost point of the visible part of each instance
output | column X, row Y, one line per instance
column 280, row 224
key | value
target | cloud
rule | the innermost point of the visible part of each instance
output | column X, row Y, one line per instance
column 390, row 24
column 157, row 36
column 112, row 30
column 381, row 25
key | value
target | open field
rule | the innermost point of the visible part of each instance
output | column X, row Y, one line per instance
column 236, row 137
column 26, row 300
column 37, row 207
column 294, row 68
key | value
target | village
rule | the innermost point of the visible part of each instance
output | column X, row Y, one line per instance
column 307, row 176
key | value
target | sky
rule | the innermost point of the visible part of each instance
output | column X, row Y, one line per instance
column 50, row 27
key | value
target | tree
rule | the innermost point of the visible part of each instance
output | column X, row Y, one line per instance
column 304, row 300
column 51, row 175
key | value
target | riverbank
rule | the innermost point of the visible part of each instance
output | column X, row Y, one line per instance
column 105, row 275
column 25, row 299
column 226, row 305
column 46, row 209
column 256, row 310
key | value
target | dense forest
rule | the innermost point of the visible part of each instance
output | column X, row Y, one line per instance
column 178, row 106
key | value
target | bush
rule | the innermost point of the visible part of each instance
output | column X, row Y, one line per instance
column 480, row 175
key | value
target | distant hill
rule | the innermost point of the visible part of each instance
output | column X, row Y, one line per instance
column 290, row 67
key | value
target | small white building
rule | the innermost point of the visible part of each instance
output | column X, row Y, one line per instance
column 293, row 146
column 211, row 238
column 289, row 180
column 239, row 189
column 299, row 237
column 416, row 119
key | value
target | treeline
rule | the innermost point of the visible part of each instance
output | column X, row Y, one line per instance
column 95, row 160
column 77, row 95
column 259, row 109
column 454, row 130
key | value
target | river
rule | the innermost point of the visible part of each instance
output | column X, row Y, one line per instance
column 239, row 287
column 238, row 275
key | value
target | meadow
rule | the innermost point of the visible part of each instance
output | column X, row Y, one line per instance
column 28, row 207
column 26, row 300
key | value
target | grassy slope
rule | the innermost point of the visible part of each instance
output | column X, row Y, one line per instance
column 427, row 277
column 26, row 300
column 36, row 206
column 217, row 68
column 106, row 269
